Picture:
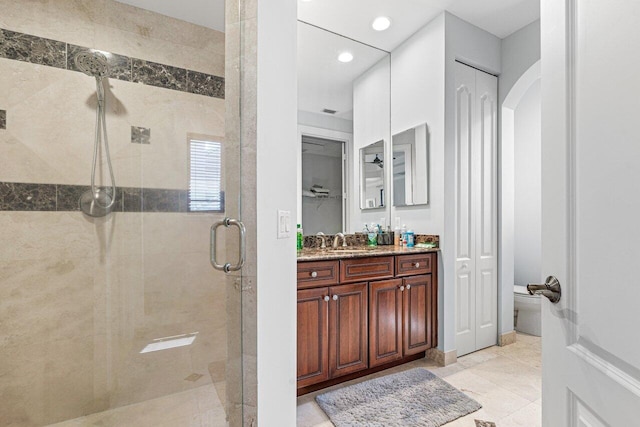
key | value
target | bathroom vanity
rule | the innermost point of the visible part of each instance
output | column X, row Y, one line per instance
column 363, row 310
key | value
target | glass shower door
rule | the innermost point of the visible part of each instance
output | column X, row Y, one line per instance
column 117, row 317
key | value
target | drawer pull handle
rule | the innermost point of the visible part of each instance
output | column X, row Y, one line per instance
column 326, row 298
column 335, row 297
column 314, row 274
column 417, row 264
column 401, row 288
column 408, row 287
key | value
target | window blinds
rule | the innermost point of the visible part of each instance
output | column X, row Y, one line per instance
column 205, row 164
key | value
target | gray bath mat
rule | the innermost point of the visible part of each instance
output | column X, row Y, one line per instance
column 411, row 398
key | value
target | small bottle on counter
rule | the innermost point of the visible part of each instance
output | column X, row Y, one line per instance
column 372, row 235
column 410, row 238
column 403, row 235
column 299, row 237
column 396, row 233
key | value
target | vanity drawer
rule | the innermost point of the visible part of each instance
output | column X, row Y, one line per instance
column 317, row 273
column 411, row 265
column 364, row 269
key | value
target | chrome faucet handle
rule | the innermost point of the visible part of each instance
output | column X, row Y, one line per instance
column 324, row 244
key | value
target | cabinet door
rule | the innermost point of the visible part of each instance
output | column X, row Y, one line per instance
column 417, row 317
column 313, row 336
column 385, row 321
column 348, row 334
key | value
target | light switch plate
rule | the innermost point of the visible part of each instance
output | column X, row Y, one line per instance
column 284, row 224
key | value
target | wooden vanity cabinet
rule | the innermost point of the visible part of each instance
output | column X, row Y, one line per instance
column 332, row 332
column 385, row 320
column 345, row 329
column 348, row 334
column 313, row 336
column 417, row 314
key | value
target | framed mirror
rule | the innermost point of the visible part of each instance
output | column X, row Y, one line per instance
column 411, row 166
column 372, row 167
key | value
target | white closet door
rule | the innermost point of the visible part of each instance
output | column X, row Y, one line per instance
column 476, row 210
column 465, row 272
column 485, row 212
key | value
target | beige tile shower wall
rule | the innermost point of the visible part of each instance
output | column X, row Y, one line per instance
column 116, row 27
column 79, row 300
column 81, row 297
column 51, row 122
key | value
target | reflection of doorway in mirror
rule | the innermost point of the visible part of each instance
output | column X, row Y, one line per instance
column 411, row 166
column 402, row 168
column 322, row 185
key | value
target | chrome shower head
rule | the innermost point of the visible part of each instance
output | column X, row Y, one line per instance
column 93, row 64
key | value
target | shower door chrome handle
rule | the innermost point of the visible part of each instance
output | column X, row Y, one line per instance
column 227, row 267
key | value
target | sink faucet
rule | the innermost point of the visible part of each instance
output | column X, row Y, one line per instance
column 324, row 244
column 335, row 241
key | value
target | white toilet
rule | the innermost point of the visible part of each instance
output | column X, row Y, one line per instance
column 527, row 317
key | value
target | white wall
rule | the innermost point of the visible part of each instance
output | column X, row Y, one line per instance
column 520, row 51
column 325, row 121
column 478, row 48
column 276, row 189
column 528, row 191
column 371, row 123
column 417, row 96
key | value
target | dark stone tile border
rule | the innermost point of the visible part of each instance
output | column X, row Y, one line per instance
column 53, row 53
column 205, row 84
column 65, row 198
column 27, row 197
column 3, row 119
column 28, row 48
column 159, row 75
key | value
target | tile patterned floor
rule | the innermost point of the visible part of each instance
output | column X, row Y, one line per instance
column 198, row 407
column 505, row 380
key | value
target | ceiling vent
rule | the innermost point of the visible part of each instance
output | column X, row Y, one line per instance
column 326, row 110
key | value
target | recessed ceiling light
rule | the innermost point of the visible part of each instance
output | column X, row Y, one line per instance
column 345, row 57
column 381, row 23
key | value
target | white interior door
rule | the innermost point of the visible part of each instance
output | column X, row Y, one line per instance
column 476, row 206
column 486, row 205
column 590, row 205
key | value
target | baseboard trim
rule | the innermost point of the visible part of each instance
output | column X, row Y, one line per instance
column 507, row 338
column 441, row 358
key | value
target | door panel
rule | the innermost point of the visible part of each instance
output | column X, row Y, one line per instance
column 465, row 238
column 591, row 360
column 485, row 212
column 313, row 336
column 348, row 334
column 417, row 314
column 476, row 210
column 385, row 321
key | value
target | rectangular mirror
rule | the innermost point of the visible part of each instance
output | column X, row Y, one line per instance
column 343, row 107
column 372, row 175
column 410, row 166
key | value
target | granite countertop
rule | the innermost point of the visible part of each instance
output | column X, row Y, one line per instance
column 315, row 254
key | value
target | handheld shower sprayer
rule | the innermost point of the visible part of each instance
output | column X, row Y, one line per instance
column 97, row 202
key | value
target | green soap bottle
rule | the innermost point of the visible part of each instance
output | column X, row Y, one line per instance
column 300, row 237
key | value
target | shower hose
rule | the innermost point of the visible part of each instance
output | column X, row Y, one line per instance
column 101, row 131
